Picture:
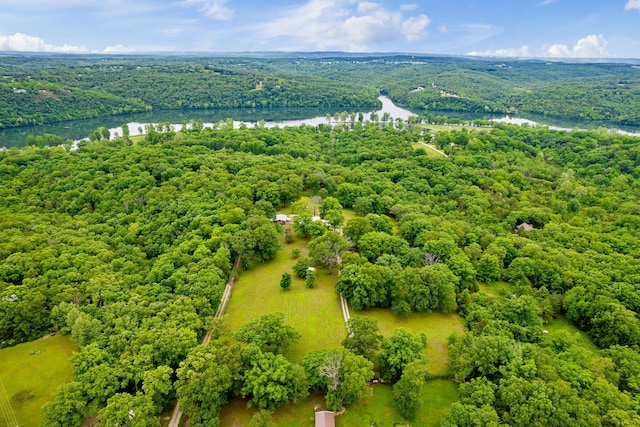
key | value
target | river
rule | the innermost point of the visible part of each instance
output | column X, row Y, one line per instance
column 78, row 129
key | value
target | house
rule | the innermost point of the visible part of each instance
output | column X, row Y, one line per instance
column 282, row 219
column 325, row 419
column 525, row 226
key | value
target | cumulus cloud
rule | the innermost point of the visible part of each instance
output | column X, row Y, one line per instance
column 216, row 9
column 344, row 24
column 415, row 28
column 517, row 52
column 592, row 46
column 118, row 49
column 20, row 42
column 632, row 4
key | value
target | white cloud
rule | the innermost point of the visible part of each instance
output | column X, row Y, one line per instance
column 408, row 7
column 444, row 29
column 518, row 52
column 216, row 9
column 118, row 49
column 415, row 28
column 365, row 7
column 20, row 42
column 548, row 2
column 632, row 4
column 366, row 29
column 592, row 46
column 341, row 24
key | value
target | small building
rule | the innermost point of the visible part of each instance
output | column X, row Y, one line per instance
column 282, row 219
column 325, row 419
column 525, row 226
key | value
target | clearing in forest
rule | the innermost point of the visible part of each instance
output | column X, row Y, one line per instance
column 315, row 313
column 30, row 373
column 436, row 326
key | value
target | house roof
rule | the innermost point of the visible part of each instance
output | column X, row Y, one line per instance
column 524, row 226
column 325, row 419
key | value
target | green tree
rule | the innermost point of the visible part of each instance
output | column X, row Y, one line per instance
column 327, row 249
column 272, row 381
column 129, row 410
column 310, row 280
column 398, row 351
column 363, row 336
column 262, row 418
column 285, row 281
column 407, row 392
column 328, row 205
column 268, row 332
column 301, row 267
column 342, row 375
column 67, row 408
column 205, row 380
column 356, row 228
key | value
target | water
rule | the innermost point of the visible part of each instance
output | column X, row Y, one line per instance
column 78, row 129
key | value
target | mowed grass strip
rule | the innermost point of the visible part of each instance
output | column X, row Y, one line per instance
column 30, row 379
column 437, row 397
column 315, row 313
column 436, row 326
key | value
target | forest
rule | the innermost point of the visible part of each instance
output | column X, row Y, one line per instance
column 53, row 90
column 126, row 246
column 61, row 88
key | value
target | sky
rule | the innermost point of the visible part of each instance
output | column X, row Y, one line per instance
column 507, row 28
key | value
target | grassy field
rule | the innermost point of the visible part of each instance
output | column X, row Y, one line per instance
column 315, row 313
column 301, row 414
column 496, row 289
column 436, row 326
column 446, row 128
column 438, row 396
column 564, row 324
column 431, row 151
column 30, row 379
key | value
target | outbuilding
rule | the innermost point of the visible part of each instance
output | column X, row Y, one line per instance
column 325, row 419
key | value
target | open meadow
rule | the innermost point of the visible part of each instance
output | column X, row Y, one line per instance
column 315, row 313
column 436, row 326
column 30, row 373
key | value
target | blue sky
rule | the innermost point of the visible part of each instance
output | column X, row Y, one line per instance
column 524, row 28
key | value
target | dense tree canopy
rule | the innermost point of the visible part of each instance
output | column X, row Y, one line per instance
column 127, row 248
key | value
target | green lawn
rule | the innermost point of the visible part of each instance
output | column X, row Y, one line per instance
column 30, row 379
column 301, row 414
column 496, row 289
column 437, row 326
column 446, row 128
column 431, row 152
column 315, row 313
column 438, row 396
column 564, row 324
